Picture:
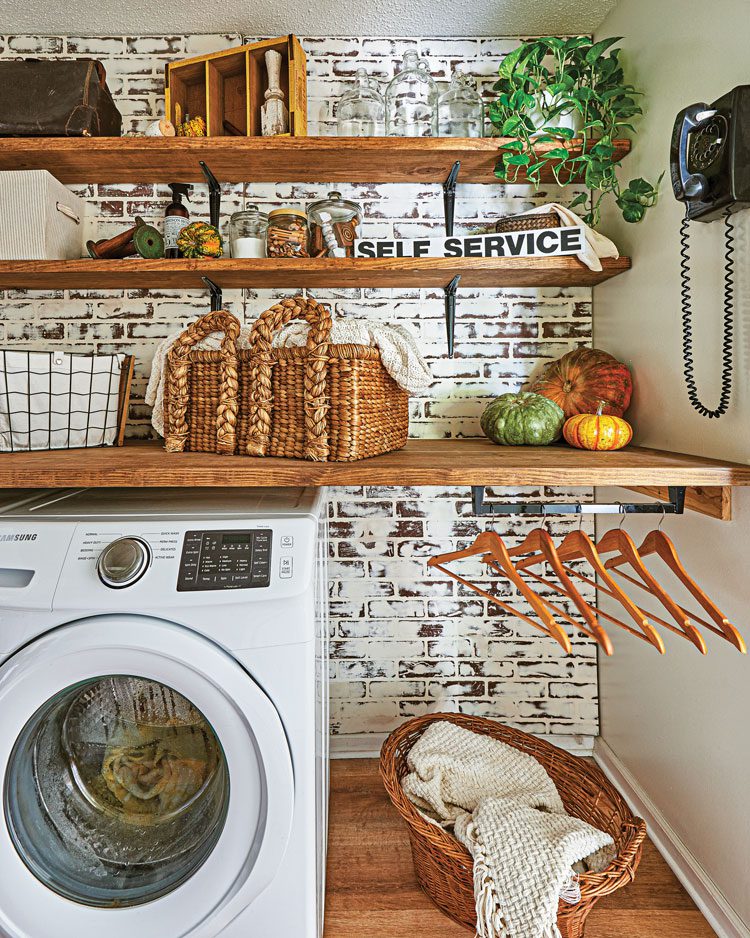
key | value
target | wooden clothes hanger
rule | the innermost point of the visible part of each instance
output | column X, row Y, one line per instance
column 578, row 546
column 657, row 542
column 491, row 544
column 539, row 540
column 619, row 542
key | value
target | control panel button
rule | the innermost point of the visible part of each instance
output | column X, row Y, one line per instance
column 285, row 568
column 286, row 541
column 123, row 562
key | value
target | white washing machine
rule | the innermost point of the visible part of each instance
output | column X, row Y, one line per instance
column 163, row 714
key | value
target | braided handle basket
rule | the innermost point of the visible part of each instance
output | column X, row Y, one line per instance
column 326, row 402
column 444, row 868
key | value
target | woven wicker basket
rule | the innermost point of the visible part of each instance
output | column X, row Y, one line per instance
column 322, row 402
column 444, row 867
column 527, row 222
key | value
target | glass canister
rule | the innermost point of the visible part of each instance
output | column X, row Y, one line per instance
column 334, row 224
column 411, row 101
column 247, row 232
column 461, row 111
column 361, row 111
column 287, row 233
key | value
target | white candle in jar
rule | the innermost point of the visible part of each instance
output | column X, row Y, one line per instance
column 249, row 247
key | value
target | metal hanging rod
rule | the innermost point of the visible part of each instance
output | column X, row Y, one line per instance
column 675, row 506
column 214, row 194
column 217, row 301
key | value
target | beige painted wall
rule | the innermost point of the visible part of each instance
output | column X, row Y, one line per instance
column 681, row 724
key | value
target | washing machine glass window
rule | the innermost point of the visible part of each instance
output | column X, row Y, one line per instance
column 116, row 791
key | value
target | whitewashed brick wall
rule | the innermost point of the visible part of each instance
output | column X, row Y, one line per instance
column 402, row 637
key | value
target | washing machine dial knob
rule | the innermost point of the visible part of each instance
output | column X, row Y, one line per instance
column 123, row 562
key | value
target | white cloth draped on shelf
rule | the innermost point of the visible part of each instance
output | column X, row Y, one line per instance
column 595, row 246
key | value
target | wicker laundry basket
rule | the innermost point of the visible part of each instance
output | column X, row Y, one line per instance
column 323, row 401
column 510, row 223
column 444, row 867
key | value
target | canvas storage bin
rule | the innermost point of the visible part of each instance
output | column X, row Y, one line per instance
column 62, row 400
column 325, row 401
column 41, row 219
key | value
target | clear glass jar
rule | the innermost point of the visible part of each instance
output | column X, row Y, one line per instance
column 411, row 101
column 247, row 232
column 461, row 111
column 361, row 111
column 287, row 233
column 334, row 224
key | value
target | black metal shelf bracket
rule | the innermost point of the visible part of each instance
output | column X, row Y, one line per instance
column 449, row 197
column 217, row 301
column 674, row 506
column 450, row 312
column 214, row 194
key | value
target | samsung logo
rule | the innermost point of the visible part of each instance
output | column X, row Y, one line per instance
column 18, row 537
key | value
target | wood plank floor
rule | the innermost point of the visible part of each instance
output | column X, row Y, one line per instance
column 372, row 890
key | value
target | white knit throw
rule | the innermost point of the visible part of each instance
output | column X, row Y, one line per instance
column 507, row 812
column 398, row 352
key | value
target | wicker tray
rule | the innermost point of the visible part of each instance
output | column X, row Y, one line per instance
column 527, row 222
column 444, row 867
column 322, row 402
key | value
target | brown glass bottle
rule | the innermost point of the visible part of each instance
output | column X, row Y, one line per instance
column 176, row 217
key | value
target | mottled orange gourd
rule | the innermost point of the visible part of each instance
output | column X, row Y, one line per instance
column 584, row 378
column 597, row 431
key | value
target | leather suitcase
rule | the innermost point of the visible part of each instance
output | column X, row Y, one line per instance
column 56, row 99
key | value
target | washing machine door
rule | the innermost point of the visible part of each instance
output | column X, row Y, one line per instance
column 147, row 784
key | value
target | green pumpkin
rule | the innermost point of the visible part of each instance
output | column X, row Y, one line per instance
column 523, row 419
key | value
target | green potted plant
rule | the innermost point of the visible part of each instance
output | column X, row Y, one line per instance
column 553, row 90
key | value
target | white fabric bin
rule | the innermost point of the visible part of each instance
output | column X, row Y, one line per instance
column 59, row 400
column 41, row 219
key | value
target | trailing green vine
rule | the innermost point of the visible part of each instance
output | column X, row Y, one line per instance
column 545, row 80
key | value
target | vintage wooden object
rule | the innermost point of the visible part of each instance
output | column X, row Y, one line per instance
column 228, row 88
column 444, row 867
column 295, row 273
column 267, row 159
column 420, row 462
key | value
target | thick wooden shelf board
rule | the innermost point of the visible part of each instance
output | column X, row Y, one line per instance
column 421, row 462
column 137, row 273
column 262, row 159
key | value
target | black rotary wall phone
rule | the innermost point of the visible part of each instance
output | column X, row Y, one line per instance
column 710, row 170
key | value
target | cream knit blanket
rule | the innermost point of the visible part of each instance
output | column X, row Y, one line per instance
column 506, row 811
column 398, row 352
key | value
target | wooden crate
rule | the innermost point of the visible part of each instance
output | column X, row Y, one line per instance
column 227, row 88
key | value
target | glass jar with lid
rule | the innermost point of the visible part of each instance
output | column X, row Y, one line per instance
column 247, row 232
column 361, row 111
column 287, row 233
column 461, row 111
column 334, row 225
column 411, row 101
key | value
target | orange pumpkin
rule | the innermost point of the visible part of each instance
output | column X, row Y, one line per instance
column 583, row 378
column 597, row 431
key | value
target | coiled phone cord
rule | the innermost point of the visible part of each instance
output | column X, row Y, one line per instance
column 687, row 323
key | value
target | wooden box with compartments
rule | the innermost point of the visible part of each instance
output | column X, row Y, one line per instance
column 227, row 89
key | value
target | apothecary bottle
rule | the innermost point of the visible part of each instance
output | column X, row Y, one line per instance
column 334, row 223
column 247, row 232
column 287, row 233
column 460, row 108
column 411, row 101
column 361, row 111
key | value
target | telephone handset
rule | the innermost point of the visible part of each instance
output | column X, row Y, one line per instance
column 710, row 171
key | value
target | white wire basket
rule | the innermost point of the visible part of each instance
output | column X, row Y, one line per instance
column 62, row 400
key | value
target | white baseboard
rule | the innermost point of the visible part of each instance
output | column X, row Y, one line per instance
column 367, row 745
column 696, row 882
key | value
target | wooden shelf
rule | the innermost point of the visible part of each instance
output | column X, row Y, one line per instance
column 137, row 273
column 421, row 462
column 262, row 159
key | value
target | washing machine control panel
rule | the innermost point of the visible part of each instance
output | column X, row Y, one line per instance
column 225, row 560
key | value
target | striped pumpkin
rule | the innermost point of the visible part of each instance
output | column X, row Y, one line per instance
column 597, row 431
